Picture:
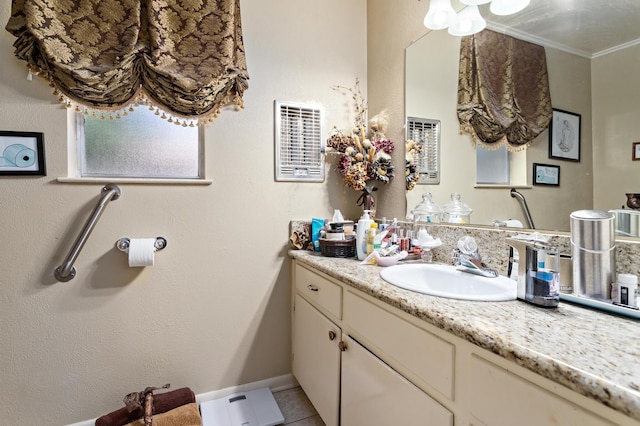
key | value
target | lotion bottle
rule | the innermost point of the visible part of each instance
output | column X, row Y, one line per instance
column 361, row 234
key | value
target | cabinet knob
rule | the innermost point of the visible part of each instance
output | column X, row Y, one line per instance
column 312, row 287
column 343, row 346
column 332, row 335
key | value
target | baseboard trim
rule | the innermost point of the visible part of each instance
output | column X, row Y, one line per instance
column 276, row 384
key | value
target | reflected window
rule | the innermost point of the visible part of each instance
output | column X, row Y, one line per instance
column 492, row 167
column 501, row 167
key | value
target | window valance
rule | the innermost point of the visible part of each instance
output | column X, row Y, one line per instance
column 184, row 56
column 503, row 90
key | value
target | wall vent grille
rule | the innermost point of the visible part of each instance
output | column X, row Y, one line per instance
column 426, row 133
column 299, row 142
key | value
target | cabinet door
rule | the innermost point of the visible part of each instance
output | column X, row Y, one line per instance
column 501, row 398
column 316, row 359
column 374, row 394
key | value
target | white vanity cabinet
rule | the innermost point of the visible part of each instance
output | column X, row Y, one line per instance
column 363, row 361
column 342, row 378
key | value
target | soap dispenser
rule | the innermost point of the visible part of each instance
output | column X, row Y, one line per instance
column 538, row 273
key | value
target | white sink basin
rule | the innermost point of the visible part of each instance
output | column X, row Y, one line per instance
column 446, row 281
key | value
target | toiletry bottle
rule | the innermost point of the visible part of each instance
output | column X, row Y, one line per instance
column 361, row 234
column 371, row 237
column 337, row 216
column 392, row 231
column 626, row 290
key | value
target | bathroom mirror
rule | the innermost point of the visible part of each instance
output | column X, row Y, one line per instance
column 594, row 71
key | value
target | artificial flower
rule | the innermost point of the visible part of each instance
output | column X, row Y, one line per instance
column 362, row 160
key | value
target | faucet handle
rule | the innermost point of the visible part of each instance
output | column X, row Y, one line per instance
column 467, row 245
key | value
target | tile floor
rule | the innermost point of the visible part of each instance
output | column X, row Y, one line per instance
column 296, row 408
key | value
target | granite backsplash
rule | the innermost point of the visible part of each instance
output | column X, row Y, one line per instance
column 495, row 251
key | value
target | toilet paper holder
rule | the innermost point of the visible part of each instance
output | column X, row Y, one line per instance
column 123, row 244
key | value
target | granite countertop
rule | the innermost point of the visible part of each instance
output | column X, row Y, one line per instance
column 590, row 352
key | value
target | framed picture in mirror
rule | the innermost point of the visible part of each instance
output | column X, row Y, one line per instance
column 635, row 153
column 546, row 174
column 564, row 135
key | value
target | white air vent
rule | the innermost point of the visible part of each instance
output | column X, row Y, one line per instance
column 299, row 141
column 426, row 133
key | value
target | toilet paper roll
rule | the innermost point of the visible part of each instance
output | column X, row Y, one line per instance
column 20, row 155
column 513, row 223
column 141, row 251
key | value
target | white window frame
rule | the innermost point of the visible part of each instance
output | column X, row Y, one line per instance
column 75, row 129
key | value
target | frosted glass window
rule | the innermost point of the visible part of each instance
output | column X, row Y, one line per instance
column 492, row 167
column 139, row 145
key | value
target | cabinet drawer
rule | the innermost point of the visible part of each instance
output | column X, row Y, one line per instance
column 428, row 357
column 319, row 290
column 499, row 397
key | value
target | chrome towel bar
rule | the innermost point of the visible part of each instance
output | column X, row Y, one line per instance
column 66, row 271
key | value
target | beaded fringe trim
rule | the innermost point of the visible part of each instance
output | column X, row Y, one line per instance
column 141, row 100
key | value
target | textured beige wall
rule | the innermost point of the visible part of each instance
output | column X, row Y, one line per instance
column 392, row 25
column 616, row 91
column 570, row 86
column 214, row 310
column 570, row 90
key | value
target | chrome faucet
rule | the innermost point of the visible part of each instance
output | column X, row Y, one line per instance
column 472, row 265
column 467, row 258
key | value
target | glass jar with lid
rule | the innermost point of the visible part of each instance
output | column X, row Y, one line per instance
column 455, row 211
column 427, row 211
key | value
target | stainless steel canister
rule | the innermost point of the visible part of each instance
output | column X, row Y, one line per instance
column 593, row 253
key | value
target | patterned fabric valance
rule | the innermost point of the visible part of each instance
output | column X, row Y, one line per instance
column 184, row 56
column 503, row 90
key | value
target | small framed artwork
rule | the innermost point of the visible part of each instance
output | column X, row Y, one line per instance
column 564, row 135
column 21, row 153
column 546, row 174
column 635, row 153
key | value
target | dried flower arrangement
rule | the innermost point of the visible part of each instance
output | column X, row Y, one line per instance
column 412, row 153
column 363, row 157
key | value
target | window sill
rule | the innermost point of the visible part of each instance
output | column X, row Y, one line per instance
column 141, row 181
column 500, row 186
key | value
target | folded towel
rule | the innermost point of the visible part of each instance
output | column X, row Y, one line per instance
column 162, row 403
column 186, row 415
